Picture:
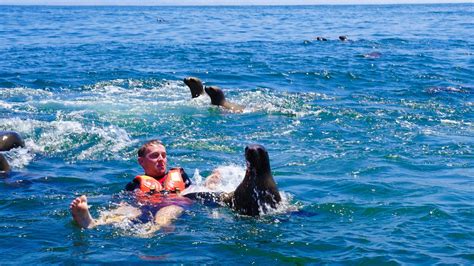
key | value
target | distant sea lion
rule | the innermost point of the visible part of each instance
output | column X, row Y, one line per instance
column 321, row 39
column 195, row 85
column 10, row 140
column 256, row 194
column 216, row 94
column 372, row 55
column 343, row 38
column 218, row 98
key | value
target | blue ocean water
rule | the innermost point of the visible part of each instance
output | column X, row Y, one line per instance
column 371, row 140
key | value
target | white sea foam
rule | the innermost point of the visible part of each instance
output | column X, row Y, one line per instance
column 19, row 157
column 24, row 92
column 231, row 176
column 5, row 105
column 112, row 140
column 294, row 104
column 62, row 136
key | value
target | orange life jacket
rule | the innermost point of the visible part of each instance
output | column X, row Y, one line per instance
column 173, row 181
column 152, row 190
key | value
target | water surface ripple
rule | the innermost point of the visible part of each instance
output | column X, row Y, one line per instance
column 371, row 139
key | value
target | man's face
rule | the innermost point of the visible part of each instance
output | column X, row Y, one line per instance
column 154, row 161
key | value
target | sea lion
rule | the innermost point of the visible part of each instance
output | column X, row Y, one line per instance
column 218, row 98
column 216, row 94
column 4, row 166
column 10, row 140
column 256, row 194
column 343, row 38
column 319, row 38
column 372, row 55
column 195, row 85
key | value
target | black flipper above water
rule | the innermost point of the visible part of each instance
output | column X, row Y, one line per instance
column 207, row 198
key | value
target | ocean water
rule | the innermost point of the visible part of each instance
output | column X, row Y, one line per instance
column 371, row 141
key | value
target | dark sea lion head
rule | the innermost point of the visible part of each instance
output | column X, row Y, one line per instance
column 195, row 85
column 257, row 159
column 343, row 38
column 10, row 140
column 216, row 94
column 258, row 192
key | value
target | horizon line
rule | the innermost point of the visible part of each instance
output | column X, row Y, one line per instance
column 241, row 4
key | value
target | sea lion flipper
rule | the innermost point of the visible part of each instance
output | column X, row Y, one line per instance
column 207, row 198
column 227, row 199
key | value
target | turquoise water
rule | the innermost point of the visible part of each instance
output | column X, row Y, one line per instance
column 371, row 139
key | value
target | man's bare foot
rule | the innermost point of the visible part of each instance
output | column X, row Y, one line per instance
column 195, row 85
column 80, row 212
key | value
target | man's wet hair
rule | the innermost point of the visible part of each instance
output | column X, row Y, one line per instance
column 142, row 150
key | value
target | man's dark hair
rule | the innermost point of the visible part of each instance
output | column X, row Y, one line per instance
column 142, row 150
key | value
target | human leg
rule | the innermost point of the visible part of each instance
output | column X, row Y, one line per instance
column 167, row 214
column 164, row 217
column 82, row 216
column 124, row 212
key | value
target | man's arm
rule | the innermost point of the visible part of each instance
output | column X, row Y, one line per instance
column 131, row 186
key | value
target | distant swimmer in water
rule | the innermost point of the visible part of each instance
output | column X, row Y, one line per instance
column 157, row 188
column 8, row 140
column 217, row 95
